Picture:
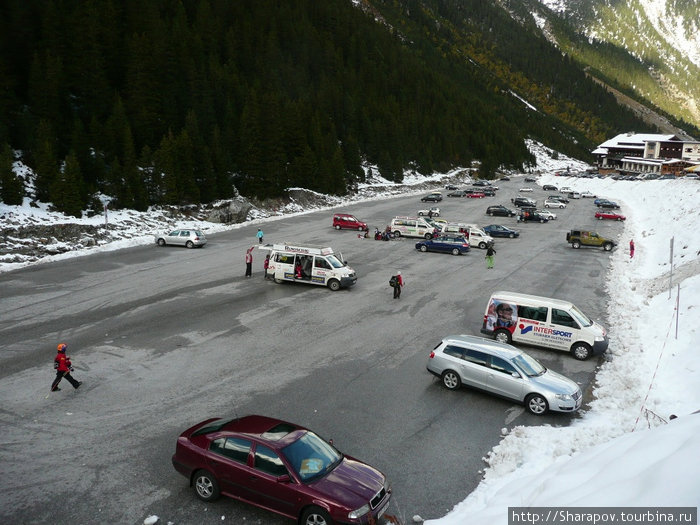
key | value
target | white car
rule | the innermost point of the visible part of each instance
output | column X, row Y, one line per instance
column 547, row 214
column 588, row 194
column 565, row 189
column 187, row 238
column 550, row 203
column 432, row 212
column 526, row 189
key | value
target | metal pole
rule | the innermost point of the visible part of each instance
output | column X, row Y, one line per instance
column 678, row 307
column 670, row 273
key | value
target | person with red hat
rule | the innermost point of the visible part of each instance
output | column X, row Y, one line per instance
column 63, row 368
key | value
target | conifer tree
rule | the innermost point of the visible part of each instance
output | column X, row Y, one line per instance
column 11, row 186
column 65, row 189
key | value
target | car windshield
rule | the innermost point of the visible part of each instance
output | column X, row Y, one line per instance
column 529, row 365
column 334, row 261
column 582, row 318
column 311, row 457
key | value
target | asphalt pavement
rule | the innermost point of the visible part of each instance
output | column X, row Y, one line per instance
column 165, row 337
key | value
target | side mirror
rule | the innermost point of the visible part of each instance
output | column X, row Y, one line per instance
column 284, row 478
column 515, row 374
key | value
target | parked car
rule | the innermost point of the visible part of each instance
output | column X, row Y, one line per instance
column 502, row 370
column 281, row 467
column 525, row 190
column 187, row 238
column 431, row 197
column 604, row 203
column 530, row 179
column 500, row 211
column 559, row 198
column 530, row 215
column 505, row 177
column 524, row 201
column 345, row 220
column 474, row 194
column 454, row 244
column 551, row 203
column 496, row 230
column 609, row 215
column 457, row 193
column 487, row 191
column 433, row 211
column 450, row 187
column 550, row 216
column 549, row 187
column 578, row 238
column 587, row 195
column 573, row 195
column 565, row 189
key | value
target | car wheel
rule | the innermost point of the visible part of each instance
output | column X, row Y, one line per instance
column 315, row 516
column 189, row 244
column 607, row 246
column 600, row 218
column 337, row 226
column 397, row 234
column 278, row 281
column 451, row 380
column 455, row 251
column 482, row 245
column 619, row 218
column 489, row 213
column 360, row 229
column 542, row 221
column 161, row 242
column 581, row 351
column 206, row 486
column 502, row 336
column 423, row 248
column 536, row 404
column 334, row 285
column 420, row 214
column 428, row 236
column 511, row 235
column 546, row 205
column 575, row 244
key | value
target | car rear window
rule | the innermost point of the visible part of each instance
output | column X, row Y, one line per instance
column 279, row 431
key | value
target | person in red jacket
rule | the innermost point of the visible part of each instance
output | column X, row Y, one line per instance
column 63, row 368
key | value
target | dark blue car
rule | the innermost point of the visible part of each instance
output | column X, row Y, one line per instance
column 454, row 244
column 496, row 230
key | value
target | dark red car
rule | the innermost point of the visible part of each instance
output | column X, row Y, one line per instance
column 609, row 215
column 281, row 467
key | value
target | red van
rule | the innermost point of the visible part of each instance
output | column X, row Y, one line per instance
column 345, row 220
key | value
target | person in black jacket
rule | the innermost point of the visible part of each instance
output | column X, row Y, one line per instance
column 490, row 252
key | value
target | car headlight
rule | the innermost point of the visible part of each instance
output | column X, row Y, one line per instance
column 564, row 397
column 358, row 513
column 600, row 338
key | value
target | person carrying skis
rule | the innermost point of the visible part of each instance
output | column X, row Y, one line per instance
column 63, row 367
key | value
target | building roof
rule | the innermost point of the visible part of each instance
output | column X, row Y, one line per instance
column 635, row 140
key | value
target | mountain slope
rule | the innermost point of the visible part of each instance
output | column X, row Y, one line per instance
column 647, row 48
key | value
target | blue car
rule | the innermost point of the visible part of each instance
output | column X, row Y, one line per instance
column 496, row 230
column 454, row 244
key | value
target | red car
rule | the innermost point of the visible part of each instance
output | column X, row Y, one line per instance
column 474, row 194
column 281, row 467
column 345, row 220
column 609, row 215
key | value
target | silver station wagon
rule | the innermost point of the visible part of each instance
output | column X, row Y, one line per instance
column 185, row 237
column 502, row 370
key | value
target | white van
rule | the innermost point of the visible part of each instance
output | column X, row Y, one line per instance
column 310, row 265
column 475, row 235
column 413, row 227
column 540, row 321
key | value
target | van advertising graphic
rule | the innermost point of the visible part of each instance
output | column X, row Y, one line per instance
column 501, row 315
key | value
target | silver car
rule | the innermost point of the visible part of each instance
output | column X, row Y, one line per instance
column 185, row 237
column 502, row 370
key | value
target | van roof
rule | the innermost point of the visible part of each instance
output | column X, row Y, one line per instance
column 516, row 297
column 494, row 347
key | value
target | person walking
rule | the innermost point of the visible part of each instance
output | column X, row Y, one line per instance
column 260, row 236
column 266, row 265
column 63, row 367
column 398, row 284
column 249, row 261
column 490, row 252
column 631, row 248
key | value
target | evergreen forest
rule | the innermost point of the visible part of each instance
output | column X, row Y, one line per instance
column 190, row 101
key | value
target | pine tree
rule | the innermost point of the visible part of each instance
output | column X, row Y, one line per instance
column 11, row 186
column 65, row 190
